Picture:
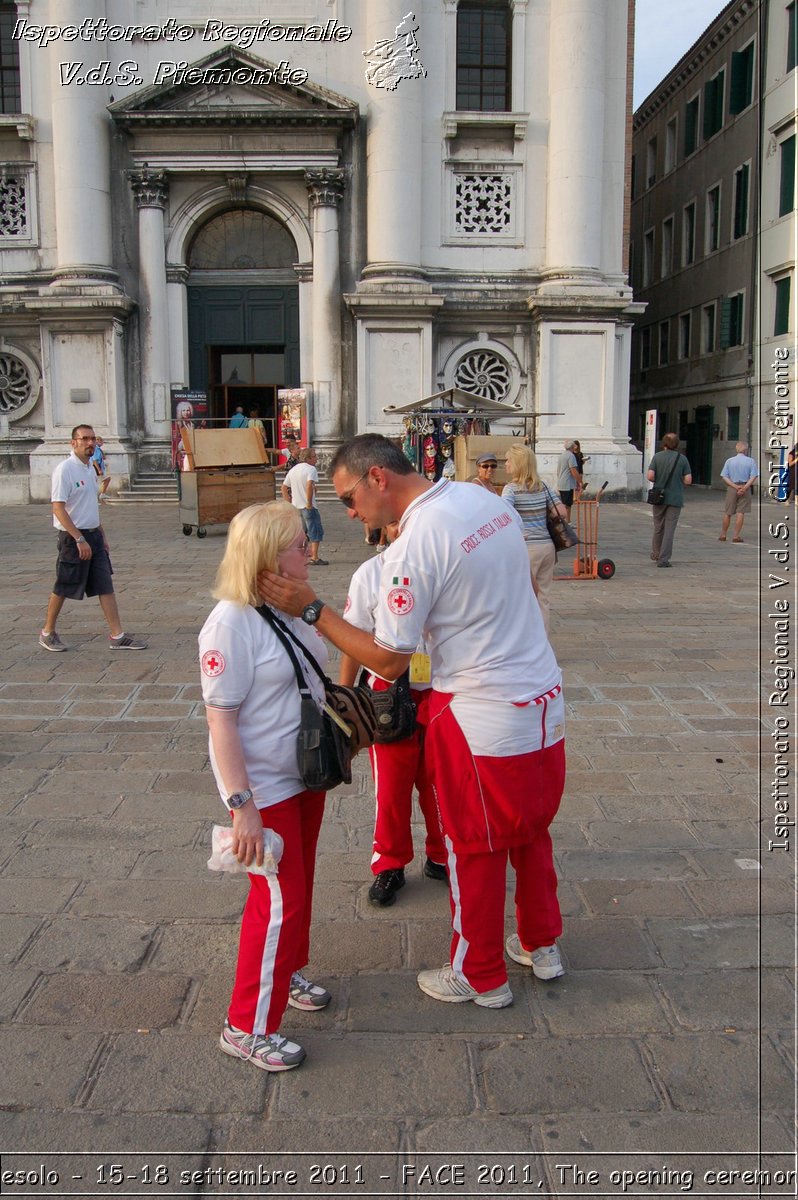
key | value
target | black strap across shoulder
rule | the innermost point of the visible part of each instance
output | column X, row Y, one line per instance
column 284, row 635
column 673, row 468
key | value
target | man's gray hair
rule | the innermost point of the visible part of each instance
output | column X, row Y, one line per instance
column 370, row 450
column 570, row 445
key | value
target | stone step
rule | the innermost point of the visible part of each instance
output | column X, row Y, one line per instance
column 147, row 489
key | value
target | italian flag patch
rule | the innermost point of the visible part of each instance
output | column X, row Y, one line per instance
column 400, row 581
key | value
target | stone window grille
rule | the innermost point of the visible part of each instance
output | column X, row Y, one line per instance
column 14, row 221
column 18, row 220
column 484, row 373
column 483, row 204
column 16, row 385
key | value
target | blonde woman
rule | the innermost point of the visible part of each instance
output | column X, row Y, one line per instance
column 252, row 705
column 528, row 494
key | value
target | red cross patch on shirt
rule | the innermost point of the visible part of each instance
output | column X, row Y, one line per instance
column 212, row 663
column 400, row 601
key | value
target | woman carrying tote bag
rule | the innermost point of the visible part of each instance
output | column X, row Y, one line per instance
column 528, row 494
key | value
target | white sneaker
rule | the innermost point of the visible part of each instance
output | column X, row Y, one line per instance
column 310, row 997
column 443, row 984
column 545, row 961
column 271, row 1052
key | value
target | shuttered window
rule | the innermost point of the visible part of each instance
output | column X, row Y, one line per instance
column 741, row 88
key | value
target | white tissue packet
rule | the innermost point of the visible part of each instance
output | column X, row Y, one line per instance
column 223, row 859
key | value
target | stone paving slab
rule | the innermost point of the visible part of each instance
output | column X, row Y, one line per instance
column 111, row 923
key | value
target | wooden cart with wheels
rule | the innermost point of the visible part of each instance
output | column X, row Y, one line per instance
column 226, row 471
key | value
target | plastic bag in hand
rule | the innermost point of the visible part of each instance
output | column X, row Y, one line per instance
column 223, row 859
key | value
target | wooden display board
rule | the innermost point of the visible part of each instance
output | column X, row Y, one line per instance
column 467, row 450
column 223, row 448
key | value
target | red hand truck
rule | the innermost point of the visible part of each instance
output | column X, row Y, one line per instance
column 587, row 564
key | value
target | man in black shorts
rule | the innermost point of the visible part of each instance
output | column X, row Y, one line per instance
column 83, row 567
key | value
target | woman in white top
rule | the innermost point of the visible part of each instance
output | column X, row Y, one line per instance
column 252, row 704
column 528, row 494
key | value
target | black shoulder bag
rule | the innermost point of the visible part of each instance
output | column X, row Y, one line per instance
column 657, row 495
column 325, row 742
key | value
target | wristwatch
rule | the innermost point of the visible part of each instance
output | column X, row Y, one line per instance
column 239, row 799
column 79, row 540
column 312, row 611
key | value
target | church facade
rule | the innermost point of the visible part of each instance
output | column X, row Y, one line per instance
column 368, row 204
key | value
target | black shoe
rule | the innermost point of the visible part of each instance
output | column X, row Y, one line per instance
column 385, row 886
column 434, row 870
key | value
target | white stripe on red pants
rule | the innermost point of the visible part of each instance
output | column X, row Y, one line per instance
column 275, row 926
column 397, row 768
column 492, row 808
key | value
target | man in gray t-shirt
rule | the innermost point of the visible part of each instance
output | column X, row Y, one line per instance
column 568, row 476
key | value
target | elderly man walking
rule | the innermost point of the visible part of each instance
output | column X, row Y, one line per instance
column 739, row 473
column 569, row 480
column 495, row 724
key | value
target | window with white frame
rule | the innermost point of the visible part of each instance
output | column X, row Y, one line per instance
column 10, row 88
column 740, row 201
column 484, row 55
column 691, row 126
column 732, row 314
column 782, row 288
column 688, row 234
column 645, row 348
column 708, row 319
column 712, row 222
column 671, row 130
column 713, row 104
column 648, row 257
column 741, row 84
column 685, row 329
column 667, row 246
column 651, row 162
column 787, row 176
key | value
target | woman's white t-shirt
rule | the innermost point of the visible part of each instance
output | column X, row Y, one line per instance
column 244, row 667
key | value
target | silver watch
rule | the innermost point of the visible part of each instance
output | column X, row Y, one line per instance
column 239, row 799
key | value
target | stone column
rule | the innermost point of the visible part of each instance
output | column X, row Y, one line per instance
column 577, row 50
column 325, row 188
column 520, row 51
column 150, row 189
column 304, row 273
column 81, row 153
column 177, row 298
column 393, row 152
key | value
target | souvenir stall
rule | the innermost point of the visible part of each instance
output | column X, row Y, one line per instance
column 445, row 433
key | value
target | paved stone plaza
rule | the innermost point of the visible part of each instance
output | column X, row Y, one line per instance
column 671, row 1032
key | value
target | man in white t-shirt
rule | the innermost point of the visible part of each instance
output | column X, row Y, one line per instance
column 495, row 728
column 83, row 567
column 299, row 487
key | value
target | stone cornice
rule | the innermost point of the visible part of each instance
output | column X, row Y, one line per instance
column 227, row 117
